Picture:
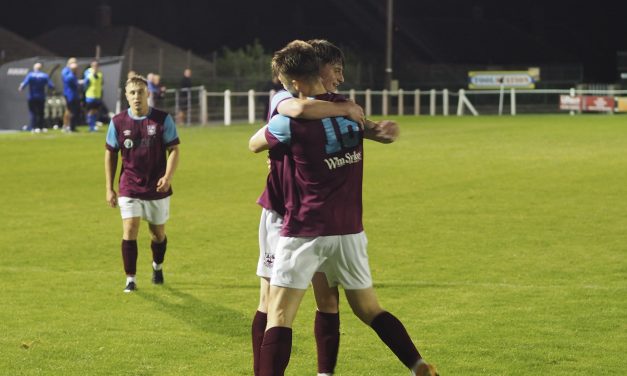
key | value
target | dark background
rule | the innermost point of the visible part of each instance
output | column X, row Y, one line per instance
column 585, row 32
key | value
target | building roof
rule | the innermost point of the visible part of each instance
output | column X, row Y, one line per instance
column 14, row 47
column 143, row 52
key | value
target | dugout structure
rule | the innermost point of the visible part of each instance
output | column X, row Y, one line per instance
column 14, row 104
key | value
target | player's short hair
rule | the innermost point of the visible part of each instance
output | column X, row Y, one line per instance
column 327, row 52
column 297, row 60
column 136, row 80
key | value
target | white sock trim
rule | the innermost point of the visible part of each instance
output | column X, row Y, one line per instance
column 156, row 266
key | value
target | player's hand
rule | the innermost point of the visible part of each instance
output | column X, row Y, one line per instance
column 356, row 113
column 112, row 198
column 387, row 130
column 269, row 164
column 163, row 185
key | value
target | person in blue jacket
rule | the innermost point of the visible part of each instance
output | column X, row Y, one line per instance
column 72, row 95
column 36, row 80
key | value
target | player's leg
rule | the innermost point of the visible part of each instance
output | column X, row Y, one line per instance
column 269, row 230
column 392, row 332
column 158, row 246
column 296, row 262
column 277, row 341
column 131, row 212
column 326, row 324
column 130, row 228
column 353, row 272
column 260, row 321
column 156, row 213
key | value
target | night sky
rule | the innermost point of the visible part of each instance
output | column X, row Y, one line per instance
column 589, row 33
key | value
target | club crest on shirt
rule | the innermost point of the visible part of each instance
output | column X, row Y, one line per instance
column 126, row 132
column 268, row 260
column 128, row 143
column 151, row 129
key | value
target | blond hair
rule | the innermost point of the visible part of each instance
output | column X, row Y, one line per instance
column 136, row 80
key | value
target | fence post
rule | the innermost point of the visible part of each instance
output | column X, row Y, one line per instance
column 401, row 110
column 572, row 95
column 460, row 103
column 188, row 116
column 251, row 106
column 203, row 106
column 432, row 100
column 512, row 101
column 118, row 102
column 417, row 102
column 501, row 95
column 351, row 94
column 176, row 101
column 227, row 107
column 368, row 102
column 384, row 102
column 445, row 102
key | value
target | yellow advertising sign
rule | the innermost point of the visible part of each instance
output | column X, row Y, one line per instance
column 506, row 79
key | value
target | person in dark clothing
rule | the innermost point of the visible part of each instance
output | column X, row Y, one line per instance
column 185, row 97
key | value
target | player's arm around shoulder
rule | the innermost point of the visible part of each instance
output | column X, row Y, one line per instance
column 277, row 131
column 384, row 131
column 258, row 141
column 318, row 109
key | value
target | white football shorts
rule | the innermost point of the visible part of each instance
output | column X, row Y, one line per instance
column 343, row 258
column 155, row 212
column 269, row 233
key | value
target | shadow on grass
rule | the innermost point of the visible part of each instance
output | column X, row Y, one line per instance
column 207, row 317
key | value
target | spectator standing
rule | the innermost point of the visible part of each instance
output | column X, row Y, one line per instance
column 185, row 96
column 72, row 95
column 37, row 81
column 93, row 93
column 158, row 94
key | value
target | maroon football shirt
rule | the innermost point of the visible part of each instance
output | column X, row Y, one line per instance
column 143, row 143
column 324, row 194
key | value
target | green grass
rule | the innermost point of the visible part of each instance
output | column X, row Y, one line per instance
column 500, row 242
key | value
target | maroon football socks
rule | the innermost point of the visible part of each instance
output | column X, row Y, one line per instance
column 158, row 251
column 258, row 328
column 393, row 334
column 327, row 331
column 275, row 351
column 129, row 256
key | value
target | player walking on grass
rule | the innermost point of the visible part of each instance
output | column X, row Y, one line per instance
column 148, row 142
column 322, row 225
column 326, row 323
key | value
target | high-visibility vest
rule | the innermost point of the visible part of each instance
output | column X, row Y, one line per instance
column 95, row 85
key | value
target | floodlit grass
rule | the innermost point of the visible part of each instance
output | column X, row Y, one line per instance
column 500, row 243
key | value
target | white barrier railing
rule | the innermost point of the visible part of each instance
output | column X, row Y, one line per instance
column 391, row 102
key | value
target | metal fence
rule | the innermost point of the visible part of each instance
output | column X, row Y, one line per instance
column 198, row 106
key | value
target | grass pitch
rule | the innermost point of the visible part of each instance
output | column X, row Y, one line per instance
column 500, row 242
